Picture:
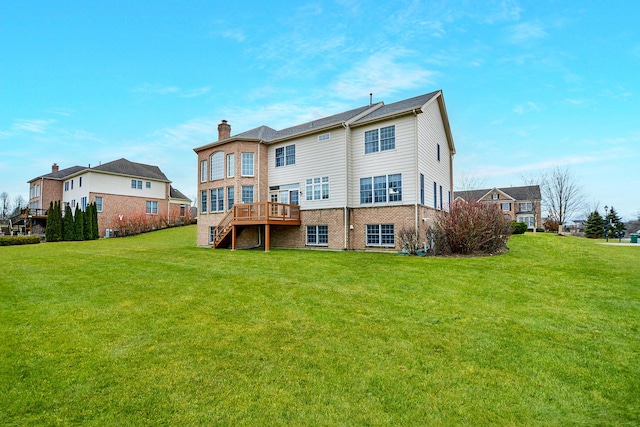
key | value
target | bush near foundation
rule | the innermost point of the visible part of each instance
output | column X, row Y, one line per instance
column 519, row 227
column 471, row 228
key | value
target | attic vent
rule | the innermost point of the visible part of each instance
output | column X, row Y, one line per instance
column 324, row 137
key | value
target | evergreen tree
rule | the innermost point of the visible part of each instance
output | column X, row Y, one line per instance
column 48, row 231
column 593, row 226
column 94, row 213
column 614, row 222
column 88, row 227
column 68, row 229
column 78, row 224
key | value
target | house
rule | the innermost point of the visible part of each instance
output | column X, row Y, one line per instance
column 522, row 204
column 349, row 181
column 121, row 190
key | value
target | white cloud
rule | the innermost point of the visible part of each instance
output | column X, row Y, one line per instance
column 35, row 125
column 193, row 93
column 383, row 74
column 526, row 31
column 527, row 107
column 156, row 89
column 233, row 34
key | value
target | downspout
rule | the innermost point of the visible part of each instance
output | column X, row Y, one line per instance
column 347, row 140
column 259, row 172
column 416, row 175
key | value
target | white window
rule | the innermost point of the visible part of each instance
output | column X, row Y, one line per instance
column 231, row 165
column 247, row 194
column 506, row 206
column 217, row 200
column 152, row 207
column 380, row 189
column 203, row 171
column 494, row 196
column 380, row 235
column 317, row 188
column 99, row 203
column 83, row 203
column 66, row 186
column 247, row 164
column 286, row 156
column 148, row 184
column 380, row 139
column 134, row 184
column 231, row 197
column 317, row 235
column 217, row 165
column 203, row 201
column 526, row 207
column 529, row 220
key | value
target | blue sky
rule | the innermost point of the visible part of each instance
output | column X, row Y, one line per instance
column 529, row 85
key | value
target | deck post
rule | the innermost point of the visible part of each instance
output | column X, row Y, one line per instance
column 267, row 237
column 233, row 237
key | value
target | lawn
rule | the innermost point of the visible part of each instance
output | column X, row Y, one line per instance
column 151, row 330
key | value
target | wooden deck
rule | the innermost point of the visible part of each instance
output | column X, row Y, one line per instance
column 262, row 213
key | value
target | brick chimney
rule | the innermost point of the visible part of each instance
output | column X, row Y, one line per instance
column 54, row 168
column 224, row 130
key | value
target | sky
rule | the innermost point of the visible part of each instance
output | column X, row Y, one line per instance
column 529, row 85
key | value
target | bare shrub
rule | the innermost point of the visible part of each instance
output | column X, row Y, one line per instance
column 409, row 240
column 471, row 227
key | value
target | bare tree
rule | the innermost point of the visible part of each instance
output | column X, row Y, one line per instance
column 18, row 204
column 468, row 182
column 562, row 195
column 5, row 206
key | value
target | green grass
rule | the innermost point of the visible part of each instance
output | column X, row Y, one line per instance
column 151, row 330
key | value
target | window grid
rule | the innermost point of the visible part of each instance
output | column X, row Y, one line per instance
column 203, row 171
column 247, row 164
column 152, row 207
column 231, row 165
column 230, row 197
column 381, row 235
column 247, row 194
column 387, row 138
column 217, row 200
column 99, row 204
column 203, row 201
column 318, row 235
column 317, row 188
column 375, row 189
column 217, row 165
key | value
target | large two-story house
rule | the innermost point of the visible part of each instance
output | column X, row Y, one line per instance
column 521, row 204
column 350, row 181
column 120, row 189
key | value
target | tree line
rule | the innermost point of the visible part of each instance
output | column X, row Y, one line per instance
column 78, row 225
column 10, row 207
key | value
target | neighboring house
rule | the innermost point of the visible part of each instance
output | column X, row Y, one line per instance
column 121, row 189
column 349, row 181
column 520, row 204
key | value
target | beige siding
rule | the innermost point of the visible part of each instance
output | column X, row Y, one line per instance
column 399, row 160
column 314, row 159
column 431, row 132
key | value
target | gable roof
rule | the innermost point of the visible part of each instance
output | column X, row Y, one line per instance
column 174, row 193
column 61, row 174
column 357, row 116
column 516, row 193
column 129, row 168
column 120, row 167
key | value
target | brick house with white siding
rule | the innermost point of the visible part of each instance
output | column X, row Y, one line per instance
column 521, row 204
column 121, row 189
column 349, row 181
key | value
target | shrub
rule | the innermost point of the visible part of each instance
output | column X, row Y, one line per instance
column 409, row 240
column 471, row 227
column 19, row 240
column 518, row 227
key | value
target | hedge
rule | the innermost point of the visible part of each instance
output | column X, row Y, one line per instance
column 19, row 240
